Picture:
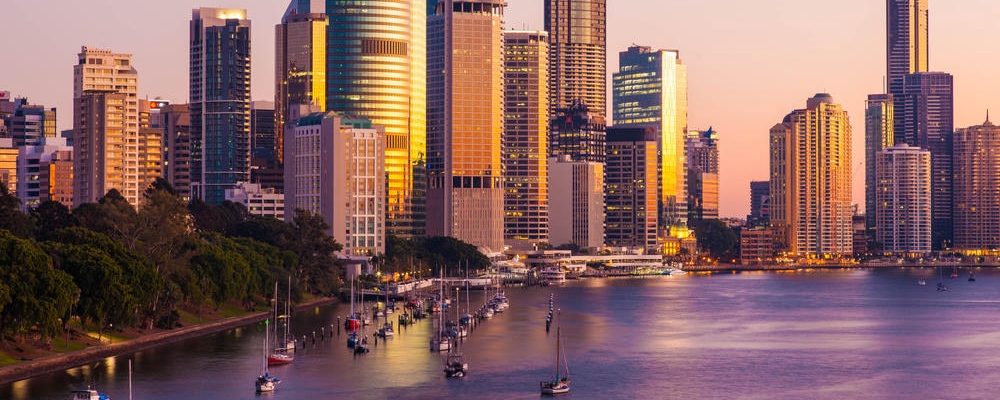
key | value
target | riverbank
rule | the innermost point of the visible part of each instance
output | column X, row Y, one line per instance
column 57, row 362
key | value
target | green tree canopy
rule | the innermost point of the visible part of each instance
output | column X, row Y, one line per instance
column 717, row 238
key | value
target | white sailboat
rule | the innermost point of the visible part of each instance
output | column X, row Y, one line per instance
column 440, row 341
column 265, row 382
column 560, row 383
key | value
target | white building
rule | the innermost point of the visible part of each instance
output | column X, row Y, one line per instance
column 576, row 202
column 265, row 202
column 33, row 164
column 903, row 199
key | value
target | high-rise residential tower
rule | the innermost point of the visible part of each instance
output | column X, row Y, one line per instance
column 977, row 182
column 906, row 51
column 878, row 135
column 577, row 54
column 702, row 175
column 811, row 179
column 903, row 200
column 650, row 89
column 376, row 68
column 526, row 209
column 176, row 123
column 928, row 121
column 105, row 126
column 219, row 101
column 465, row 121
column 299, row 62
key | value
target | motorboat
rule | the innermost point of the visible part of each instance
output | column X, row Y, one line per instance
column 88, row 394
column 552, row 275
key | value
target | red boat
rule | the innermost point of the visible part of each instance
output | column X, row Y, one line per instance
column 280, row 358
column 352, row 323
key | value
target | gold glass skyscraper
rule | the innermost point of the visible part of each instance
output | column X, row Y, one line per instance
column 578, row 54
column 376, row 68
column 465, row 121
column 299, row 63
column 906, row 51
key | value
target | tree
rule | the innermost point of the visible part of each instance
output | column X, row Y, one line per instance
column 319, row 269
column 51, row 216
column 32, row 293
column 11, row 216
column 717, row 238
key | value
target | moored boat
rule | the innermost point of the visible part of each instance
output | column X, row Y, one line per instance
column 88, row 394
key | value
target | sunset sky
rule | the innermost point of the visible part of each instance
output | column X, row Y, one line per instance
column 749, row 62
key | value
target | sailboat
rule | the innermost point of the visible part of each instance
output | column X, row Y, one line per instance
column 455, row 365
column 440, row 342
column 387, row 331
column 289, row 342
column 265, row 382
column 940, row 283
column 282, row 354
column 560, row 383
column 352, row 323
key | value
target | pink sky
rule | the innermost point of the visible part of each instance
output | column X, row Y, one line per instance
column 749, row 62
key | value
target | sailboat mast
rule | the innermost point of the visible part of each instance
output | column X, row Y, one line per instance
column 558, row 348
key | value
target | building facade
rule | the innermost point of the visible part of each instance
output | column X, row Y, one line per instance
column 878, row 135
column 630, row 190
column 928, row 123
column 176, row 125
column 577, row 133
column 259, row 201
column 299, row 62
column 977, row 181
column 576, row 202
column 702, row 149
column 335, row 167
column 526, row 208
column 465, row 122
column 219, row 82
column 37, row 182
column 650, row 89
column 811, row 180
column 906, row 52
column 27, row 124
column 760, row 203
column 377, row 68
column 903, row 199
column 577, row 54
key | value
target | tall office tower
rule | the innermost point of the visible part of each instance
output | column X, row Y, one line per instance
column 906, row 52
column 27, row 124
column 105, row 126
column 903, row 200
column 377, row 68
column 335, row 167
column 577, row 133
column 760, row 203
column 878, row 135
column 929, row 124
column 630, row 193
column 650, row 89
column 577, row 54
column 465, row 122
column 176, row 122
column 219, row 101
column 149, row 145
column 702, row 149
column 576, row 202
column 263, row 133
column 526, row 209
column 43, row 176
column 299, row 62
column 977, row 181
column 811, row 179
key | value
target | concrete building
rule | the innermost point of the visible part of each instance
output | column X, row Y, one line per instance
column 650, row 89
column 757, row 246
column 176, row 123
column 335, row 167
column 928, row 123
column 906, row 52
column 8, row 164
column 377, row 68
column 630, row 190
column 577, row 133
column 27, row 124
column 526, row 209
column 760, row 203
column 149, row 144
column 878, row 135
column 811, row 180
column 977, row 182
column 465, row 122
column 702, row 149
column 46, row 172
column 578, row 54
column 260, row 201
column 105, row 126
column 576, row 202
column 903, row 198
column 219, row 82
column 299, row 63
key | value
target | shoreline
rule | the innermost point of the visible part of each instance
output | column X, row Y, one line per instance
column 57, row 362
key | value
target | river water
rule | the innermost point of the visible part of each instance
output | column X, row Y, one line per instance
column 809, row 334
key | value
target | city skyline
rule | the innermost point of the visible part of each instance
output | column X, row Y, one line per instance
column 711, row 35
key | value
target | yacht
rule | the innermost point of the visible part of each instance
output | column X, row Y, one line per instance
column 553, row 275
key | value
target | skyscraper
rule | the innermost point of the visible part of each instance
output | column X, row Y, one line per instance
column 929, row 123
column 630, row 195
column 811, row 179
column 27, row 124
column 526, row 209
column 903, row 200
column 376, row 68
column 105, row 126
column 176, row 122
column 878, row 135
column 578, row 133
column 576, row 202
column 977, row 181
column 702, row 175
column 650, row 89
column 577, row 54
column 465, row 123
column 219, row 101
column 760, row 203
column 299, row 62
column 906, row 51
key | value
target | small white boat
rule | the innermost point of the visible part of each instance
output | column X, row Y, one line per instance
column 88, row 394
column 560, row 383
column 553, row 275
column 266, row 383
column 455, row 366
column 386, row 331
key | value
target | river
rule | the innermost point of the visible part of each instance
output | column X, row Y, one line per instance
column 817, row 334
